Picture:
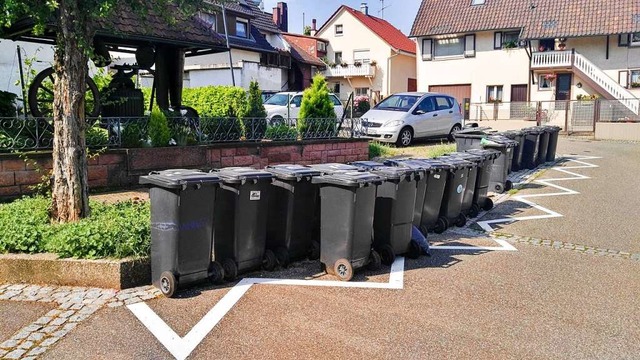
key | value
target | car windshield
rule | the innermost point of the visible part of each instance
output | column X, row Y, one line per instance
column 278, row 99
column 402, row 103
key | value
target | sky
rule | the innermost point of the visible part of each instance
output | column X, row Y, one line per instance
column 400, row 13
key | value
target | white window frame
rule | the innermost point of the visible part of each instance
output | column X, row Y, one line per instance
column 632, row 73
column 362, row 60
column 341, row 27
column 461, row 41
column 335, row 57
column 427, row 49
column 322, row 46
column 633, row 42
column 246, row 24
column 359, row 91
column 493, row 90
column 542, row 80
column 478, row 2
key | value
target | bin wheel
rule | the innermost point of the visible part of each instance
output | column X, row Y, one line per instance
column 168, row 284
column 474, row 211
column 414, row 250
column 282, row 255
column 269, row 261
column 230, row 269
column 499, row 188
column 441, row 225
column 424, row 230
column 387, row 254
column 375, row 261
column 488, row 204
column 343, row 269
column 314, row 252
column 461, row 221
column 216, row 273
column 508, row 185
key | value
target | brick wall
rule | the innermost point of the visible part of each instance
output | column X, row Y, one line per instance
column 122, row 167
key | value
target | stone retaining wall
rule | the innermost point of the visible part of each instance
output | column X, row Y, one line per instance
column 122, row 167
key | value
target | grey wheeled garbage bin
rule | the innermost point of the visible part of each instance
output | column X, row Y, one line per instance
column 484, row 177
column 346, row 227
column 531, row 147
column 519, row 137
column 457, row 176
column 544, row 144
column 240, row 226
column 553, row 141
column 293, row 217
column 393, row 218
column 470, row 138
column 470, row 206
column 182, row 203
column 421, row 169
column 436, row 177
column 500, row 167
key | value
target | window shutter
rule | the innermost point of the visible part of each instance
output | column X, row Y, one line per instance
column 427, row 49
column 470, row 45
column 623, row 40
column 623, row 78
column 497, row 40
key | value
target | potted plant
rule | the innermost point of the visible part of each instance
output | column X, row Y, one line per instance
column 550, row 77
column 344, row 64
column 562, row 46
column 373, row 63
column 510, row 44
column 635, row 84
column 357, row 64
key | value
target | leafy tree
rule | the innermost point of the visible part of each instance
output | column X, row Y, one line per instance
column 307, row 30
column 317, row 114
column 159, row 131
column 76, row 23
column 255, row 107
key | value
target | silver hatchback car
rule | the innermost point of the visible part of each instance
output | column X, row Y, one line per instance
column 402, row 117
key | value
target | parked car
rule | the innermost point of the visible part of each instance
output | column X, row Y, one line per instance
column 402, row 117
column 278, row 111
column 267, row 94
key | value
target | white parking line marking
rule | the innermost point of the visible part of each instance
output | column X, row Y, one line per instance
column 487, row 225
column 181, row 348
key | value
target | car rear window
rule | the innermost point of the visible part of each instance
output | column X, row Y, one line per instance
column 443, row 103
column 336, row 101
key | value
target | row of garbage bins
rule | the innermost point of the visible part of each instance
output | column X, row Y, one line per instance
column 230, row 221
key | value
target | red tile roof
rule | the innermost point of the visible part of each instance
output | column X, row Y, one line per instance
column 389, row 33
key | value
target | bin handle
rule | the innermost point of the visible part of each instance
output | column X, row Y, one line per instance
column 283, row 185
column 230, row 188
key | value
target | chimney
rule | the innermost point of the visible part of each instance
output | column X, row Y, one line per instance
column 364, row 8
column 281, row 16
column 314, row 29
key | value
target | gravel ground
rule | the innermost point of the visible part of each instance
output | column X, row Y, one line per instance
column 15, row 316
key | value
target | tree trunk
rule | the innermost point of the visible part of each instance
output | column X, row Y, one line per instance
column 70, row 192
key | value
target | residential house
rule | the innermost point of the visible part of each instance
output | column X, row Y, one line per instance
column 513, row 51
column 258, row 51
column 307, row 51
column 367, row 55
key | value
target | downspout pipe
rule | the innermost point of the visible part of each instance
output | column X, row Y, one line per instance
column 397, row 52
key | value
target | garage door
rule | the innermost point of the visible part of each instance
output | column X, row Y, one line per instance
column 460, row 92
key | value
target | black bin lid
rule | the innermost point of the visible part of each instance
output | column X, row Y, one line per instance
column 332, row 168
column 350, row 179
column 552, row 128
column 476, row 158
column 511, row 134
column 499, row 141
column 456, row 163
column 533, row 130
column 179, row 178
column 474, row 131
column 389, row 172
column 435, row 164
column 292, row 172
column 237, row 175
column 490, row 154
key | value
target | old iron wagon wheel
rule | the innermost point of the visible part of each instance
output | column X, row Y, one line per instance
column 41, row 95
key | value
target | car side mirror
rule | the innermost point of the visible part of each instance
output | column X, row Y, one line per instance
column 419, row 112
column 293, row 105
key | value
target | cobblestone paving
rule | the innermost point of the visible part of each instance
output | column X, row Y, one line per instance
column 75, row 304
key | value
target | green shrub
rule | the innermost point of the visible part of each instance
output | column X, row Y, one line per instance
column 24, row 225
column 281, row 132
column 159, row 132
column 113, row 230
column 210, row 101
column 317, row 116
column 378, row 150
column 7, row 104
column 97, row 136
column 133, row 135
column 255, row 117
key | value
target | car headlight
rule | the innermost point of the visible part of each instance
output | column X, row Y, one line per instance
column 393, row 123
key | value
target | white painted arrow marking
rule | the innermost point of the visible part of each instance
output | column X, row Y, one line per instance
column 487, row 225
column 181, row 348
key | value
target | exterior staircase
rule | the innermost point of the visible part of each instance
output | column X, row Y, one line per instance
column 589, row 72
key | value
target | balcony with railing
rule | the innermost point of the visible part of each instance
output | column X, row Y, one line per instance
column 364, row 70
column 551, row 59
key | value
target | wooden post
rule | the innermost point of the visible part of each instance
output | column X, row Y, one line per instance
column 566, row 115
column 538, row 113
column 596, row 114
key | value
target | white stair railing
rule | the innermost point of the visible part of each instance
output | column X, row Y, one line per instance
column 607, row 83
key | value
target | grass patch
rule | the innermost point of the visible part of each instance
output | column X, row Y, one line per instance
column 513, row 191
column 377, row 150
column 113, row 231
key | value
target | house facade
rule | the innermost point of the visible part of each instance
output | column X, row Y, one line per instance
column 508, row 52
column 367, row 55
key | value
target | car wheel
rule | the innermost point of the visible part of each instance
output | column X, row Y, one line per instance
column 405, row 137
column 454, row 129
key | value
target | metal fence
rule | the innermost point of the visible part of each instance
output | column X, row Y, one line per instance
column 37, row 133
column 571, row 115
